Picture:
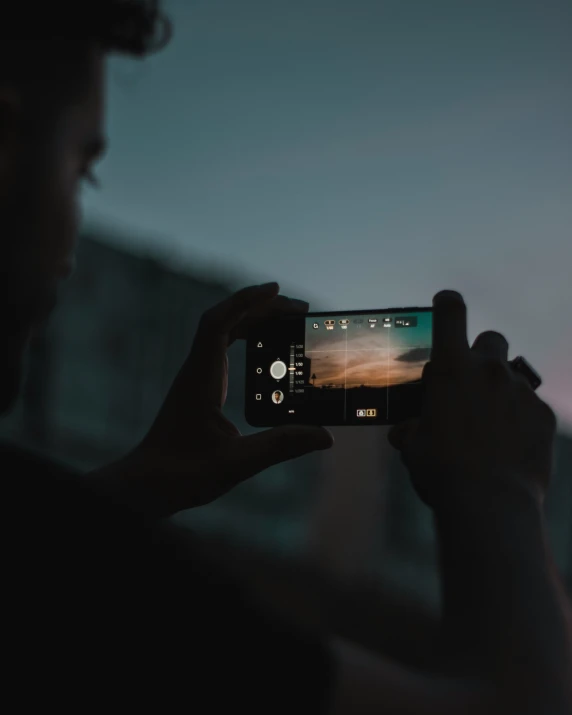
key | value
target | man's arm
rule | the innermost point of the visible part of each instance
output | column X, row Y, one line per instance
column 480, row 456
column 507, row 624
column 505, row 611
column 506, row 616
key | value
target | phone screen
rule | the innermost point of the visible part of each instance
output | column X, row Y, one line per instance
column 353, row 368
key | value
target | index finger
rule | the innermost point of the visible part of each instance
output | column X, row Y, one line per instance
column 449, row 327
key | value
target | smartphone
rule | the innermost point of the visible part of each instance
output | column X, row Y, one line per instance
column 342, row 368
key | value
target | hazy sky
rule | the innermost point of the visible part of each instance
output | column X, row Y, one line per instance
column 363, row 153
column 365, row 353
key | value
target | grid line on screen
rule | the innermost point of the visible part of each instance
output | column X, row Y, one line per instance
column 346, row 381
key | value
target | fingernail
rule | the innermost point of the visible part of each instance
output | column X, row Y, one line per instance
column 447, row 295
column 324, row 438
column 268, row 286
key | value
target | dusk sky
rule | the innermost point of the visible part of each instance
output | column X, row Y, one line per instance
column 364, row 154
column 361, row 355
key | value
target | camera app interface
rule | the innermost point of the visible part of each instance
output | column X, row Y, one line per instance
column 341, row 369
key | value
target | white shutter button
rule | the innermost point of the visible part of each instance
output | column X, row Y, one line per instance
column 278, row 369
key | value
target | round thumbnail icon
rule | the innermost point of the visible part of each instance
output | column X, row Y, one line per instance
column 277, row 397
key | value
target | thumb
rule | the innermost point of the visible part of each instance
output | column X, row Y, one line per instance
column 259, row 451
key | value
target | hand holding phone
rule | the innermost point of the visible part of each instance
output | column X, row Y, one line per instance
column 482, row 429
column 192, row 453
column 340, row 368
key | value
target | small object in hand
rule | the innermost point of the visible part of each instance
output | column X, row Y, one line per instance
column 521, row 365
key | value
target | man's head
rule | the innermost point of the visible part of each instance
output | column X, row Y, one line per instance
column 52, row 89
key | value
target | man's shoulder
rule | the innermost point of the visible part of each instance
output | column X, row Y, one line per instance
column 31, row 480
column 48, row 502
column 142, row 587
column 32, row 463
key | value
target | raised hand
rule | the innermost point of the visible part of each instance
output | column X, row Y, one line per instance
column 482, row 424
column 193, row 454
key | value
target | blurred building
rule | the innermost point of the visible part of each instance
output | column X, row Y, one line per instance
column 99, row 372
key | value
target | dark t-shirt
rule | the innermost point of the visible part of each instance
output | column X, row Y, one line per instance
column 104, row 611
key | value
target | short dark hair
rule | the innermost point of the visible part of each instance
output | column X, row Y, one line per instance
column 57, row 32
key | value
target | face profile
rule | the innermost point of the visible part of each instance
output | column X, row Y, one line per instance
column 277, row 397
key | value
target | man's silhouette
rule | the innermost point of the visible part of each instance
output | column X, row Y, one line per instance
column 104, row 608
